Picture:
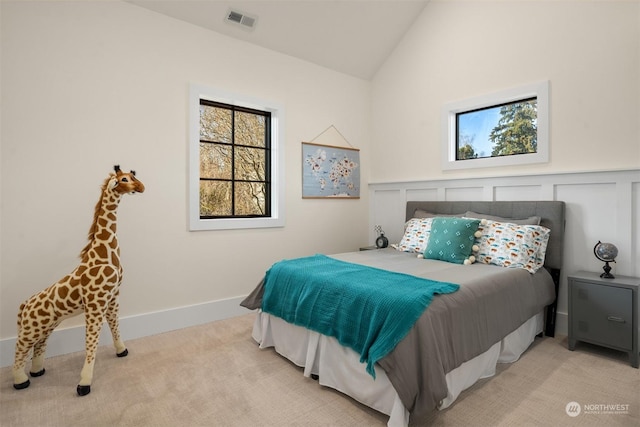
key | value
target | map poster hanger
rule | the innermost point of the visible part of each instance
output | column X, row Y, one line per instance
column 330, row 171
column 324, row 135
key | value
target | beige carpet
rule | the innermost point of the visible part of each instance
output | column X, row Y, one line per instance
column 215, row 375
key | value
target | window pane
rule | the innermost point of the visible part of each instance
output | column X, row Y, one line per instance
column 234, row 161
column 215, row 161
column 250, row 198
column 500, row 130
column 250, row 164
column 215, row 198
column 250, row 129
column 215, row 124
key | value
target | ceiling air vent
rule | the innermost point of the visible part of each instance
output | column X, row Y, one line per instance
column 242, row 19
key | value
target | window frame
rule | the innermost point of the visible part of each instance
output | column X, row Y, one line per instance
column 277, row 217
column 539, row 90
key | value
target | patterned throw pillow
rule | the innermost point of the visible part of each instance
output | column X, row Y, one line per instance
column 452, row 239
column 415, row 236
column 512, row 245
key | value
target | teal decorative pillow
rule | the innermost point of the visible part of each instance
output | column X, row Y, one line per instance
column 452, row 240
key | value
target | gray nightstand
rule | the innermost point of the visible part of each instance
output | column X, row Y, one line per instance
column 604, row 312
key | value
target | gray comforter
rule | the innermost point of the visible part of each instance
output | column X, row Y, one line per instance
column 491, row 303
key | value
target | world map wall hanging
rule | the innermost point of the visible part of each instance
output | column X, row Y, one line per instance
column 330, row 172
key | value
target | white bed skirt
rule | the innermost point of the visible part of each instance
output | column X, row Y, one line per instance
column 339, row 367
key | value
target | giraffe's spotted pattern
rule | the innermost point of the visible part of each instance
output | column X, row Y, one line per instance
column 93, row 287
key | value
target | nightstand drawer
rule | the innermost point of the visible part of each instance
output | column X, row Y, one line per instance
column 602, row 314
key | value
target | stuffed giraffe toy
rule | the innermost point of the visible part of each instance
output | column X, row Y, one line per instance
column 93, row 287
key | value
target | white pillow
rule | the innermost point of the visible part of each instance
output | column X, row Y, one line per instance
column 416, row 235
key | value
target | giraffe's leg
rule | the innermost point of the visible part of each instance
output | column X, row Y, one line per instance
column 112, row 320
column 20, row 379
column 93, row 320
column 37, row 360
column 24, row 343
column 39, row 350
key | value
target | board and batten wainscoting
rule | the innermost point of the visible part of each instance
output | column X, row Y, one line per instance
column 600, row 205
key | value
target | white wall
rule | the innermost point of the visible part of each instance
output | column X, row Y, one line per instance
column 589, row 51
column 86, row 85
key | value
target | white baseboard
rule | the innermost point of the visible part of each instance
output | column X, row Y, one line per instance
column 71, row 339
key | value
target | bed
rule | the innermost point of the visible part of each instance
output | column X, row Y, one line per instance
column 492, row 317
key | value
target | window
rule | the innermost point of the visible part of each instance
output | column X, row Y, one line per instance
column 235, row 161
column 506, row 128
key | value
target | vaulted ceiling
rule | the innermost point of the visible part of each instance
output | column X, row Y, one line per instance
column 350, row 36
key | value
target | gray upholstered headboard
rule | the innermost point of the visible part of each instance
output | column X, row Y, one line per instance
column 550, row 212
column 552, row 217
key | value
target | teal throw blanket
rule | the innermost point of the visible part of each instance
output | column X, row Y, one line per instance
column 367, row 309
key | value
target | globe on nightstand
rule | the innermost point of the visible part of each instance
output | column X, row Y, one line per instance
column 606, row 252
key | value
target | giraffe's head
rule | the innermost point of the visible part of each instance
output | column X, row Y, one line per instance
column 125, row 183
